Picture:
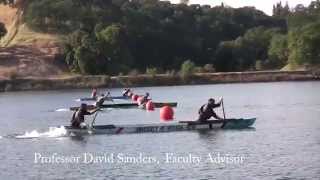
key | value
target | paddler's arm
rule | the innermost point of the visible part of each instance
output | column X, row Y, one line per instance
column 93, row 111
column 108, row 97
column 200, row 111
column 216, row 116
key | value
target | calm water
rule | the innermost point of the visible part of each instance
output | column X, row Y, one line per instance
column 284, row 145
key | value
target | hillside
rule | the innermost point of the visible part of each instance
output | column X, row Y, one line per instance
column 24, row 52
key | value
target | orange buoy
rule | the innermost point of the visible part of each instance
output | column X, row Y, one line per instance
column 140, row 99
column 134, row 97
column 166, row 113
column 150, row 106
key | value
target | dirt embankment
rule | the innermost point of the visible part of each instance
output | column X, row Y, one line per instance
column 25, row 53
column 73, row 82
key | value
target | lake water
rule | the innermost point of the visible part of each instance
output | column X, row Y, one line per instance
column 285, row 143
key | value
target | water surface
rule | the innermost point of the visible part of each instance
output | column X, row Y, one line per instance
column 284, row 145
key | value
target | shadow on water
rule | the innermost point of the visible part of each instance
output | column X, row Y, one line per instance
column 209, row 138
column 209, row 133
column 243, row 129
column 79, row 138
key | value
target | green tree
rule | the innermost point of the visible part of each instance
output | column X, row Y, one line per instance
column 281, row 11
column 72, row 42
column 278, row 51
column 86, row 60
column 224, row 59
column 304, row 44
column 113, row 46
column 242, row 53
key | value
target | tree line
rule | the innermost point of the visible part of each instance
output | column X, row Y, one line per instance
column 116, row 36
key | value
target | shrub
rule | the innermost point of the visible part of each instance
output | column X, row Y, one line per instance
column 187, row 69
column 258, row 65
column 199, row 69
column 12, row 74
column 3, row 30
column 170, row 72
column 133, row 72
column 209, row 68
column 152, row 71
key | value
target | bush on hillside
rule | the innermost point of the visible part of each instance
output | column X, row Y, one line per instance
column 152, row 71
column 3, row 30
column 187, row 69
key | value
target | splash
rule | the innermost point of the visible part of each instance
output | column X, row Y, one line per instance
column 53, row 132
column 62, row 109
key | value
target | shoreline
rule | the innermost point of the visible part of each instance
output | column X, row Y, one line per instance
column 80, row 82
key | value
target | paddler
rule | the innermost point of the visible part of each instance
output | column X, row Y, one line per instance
column 206, row 111
column 108, row 97
column 100, row 101
column 126, row 92
column 77, row 120
column 94, row 93
column 144, row 100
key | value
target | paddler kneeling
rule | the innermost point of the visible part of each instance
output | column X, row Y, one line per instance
column 142, row 103
column 101, row 100
column 126, row 92
column 77, row 120
column 94, row 93
column 107, row 97
column 206, row 111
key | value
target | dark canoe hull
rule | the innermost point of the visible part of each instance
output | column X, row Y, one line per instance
column 164, row 127
column 128, row 105
column 94, row 99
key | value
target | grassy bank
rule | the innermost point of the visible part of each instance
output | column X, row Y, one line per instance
column 73, row 82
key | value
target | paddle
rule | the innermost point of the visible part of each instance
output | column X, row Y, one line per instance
column 94, row 118
column 224, row 115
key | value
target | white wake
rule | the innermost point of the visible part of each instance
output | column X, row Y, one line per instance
column 62, row 110
column 53, row 132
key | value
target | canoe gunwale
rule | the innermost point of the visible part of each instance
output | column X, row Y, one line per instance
column 164, row 127
column 128, row 105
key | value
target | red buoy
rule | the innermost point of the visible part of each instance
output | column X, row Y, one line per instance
column 166, row 113
column 140, row 99
column 134, row 97
column 150, row 106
